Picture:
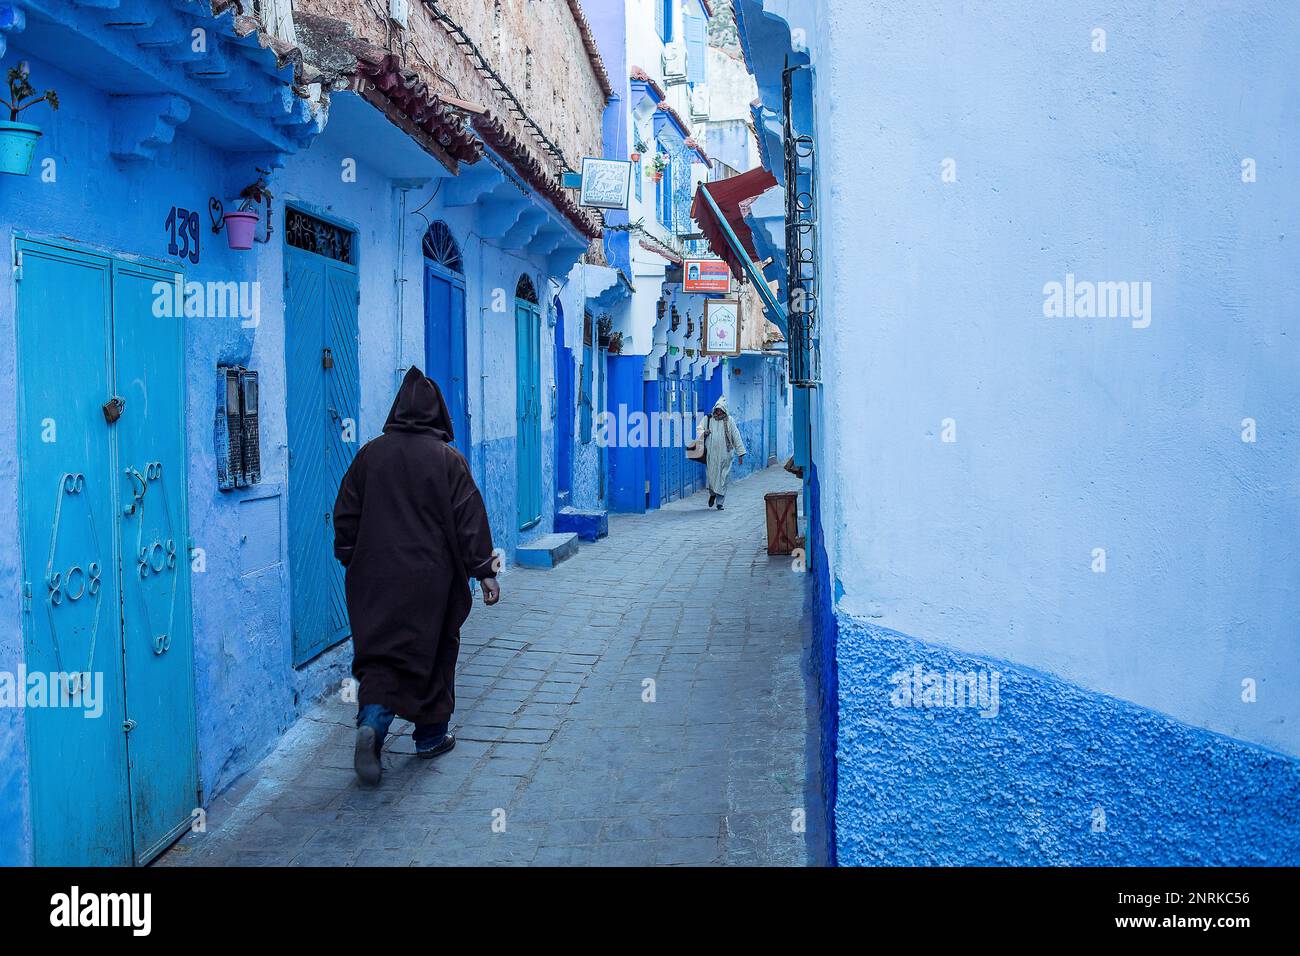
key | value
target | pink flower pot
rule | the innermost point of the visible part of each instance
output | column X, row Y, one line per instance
column 240, row 228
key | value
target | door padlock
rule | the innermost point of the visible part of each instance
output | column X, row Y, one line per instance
column 327, row 359
column 113, row 409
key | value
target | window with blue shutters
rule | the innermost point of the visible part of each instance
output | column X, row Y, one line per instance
column 696, row 31
column 664, row 19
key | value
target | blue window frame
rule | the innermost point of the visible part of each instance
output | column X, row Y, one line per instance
column 664, row 197
column 664, row 20
column 636, row 172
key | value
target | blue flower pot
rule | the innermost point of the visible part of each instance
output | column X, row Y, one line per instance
column 17, row 146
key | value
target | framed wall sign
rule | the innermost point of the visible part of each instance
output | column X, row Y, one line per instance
column 706, row 275
column 606, row 183
column 722, row 326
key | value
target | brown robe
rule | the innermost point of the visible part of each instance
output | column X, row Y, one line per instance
column 411, row 529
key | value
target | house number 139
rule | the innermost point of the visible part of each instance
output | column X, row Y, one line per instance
column 183, row 230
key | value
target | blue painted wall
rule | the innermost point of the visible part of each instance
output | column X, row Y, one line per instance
column 1125, row 691
column 1061, row 775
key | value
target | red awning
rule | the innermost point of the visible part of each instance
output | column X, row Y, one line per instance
column 734, row 197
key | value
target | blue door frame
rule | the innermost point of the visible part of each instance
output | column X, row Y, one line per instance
column 323, row 399
column 105, row 551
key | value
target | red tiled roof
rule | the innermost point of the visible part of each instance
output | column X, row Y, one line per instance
column 518, row 153
column 593, row 51
column 733, row 196
column 384, row 72
column 642, row 76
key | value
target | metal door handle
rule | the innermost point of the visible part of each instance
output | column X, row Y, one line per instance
column 137, row 497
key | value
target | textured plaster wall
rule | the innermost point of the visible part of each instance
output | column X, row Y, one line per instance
column 1061, row 776
column 1072, row 434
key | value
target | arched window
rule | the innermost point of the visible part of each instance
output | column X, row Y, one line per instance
column 524, row 290
column 439, row 246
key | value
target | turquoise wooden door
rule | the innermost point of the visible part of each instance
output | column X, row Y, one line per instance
column 105, row 558
column 528, row 408
column 153, row 542
column 324, row 399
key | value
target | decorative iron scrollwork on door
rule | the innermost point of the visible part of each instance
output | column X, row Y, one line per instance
column 306, row 232
column 155, row 553
column 72, row 587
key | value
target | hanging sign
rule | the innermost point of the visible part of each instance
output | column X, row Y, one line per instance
column 722, row 326
column 706, row 275
column 606, row 183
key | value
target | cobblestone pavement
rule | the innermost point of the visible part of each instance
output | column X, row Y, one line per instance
column 559, row 760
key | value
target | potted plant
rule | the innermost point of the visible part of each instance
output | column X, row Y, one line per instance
column 241, row 225
column 657, row 166
column 18, row 140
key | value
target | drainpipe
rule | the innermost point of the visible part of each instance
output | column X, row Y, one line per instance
column 399, row 278
column 403, row 186
column 482, row 358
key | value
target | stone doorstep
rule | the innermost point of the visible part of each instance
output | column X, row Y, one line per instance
column 547, row 551
column 588, row 525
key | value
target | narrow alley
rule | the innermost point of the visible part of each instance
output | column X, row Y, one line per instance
column 559, row 759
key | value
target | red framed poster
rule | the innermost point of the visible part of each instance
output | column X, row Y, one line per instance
column 706, row 275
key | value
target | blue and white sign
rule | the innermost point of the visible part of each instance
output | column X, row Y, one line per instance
column 606, row 183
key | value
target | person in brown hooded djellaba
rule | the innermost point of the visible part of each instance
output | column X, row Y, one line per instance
column 411, row 529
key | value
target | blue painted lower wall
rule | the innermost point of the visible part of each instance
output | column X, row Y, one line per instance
column 823, row 679
column 1060, row 776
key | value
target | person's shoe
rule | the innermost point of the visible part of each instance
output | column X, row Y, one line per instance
column 719, row 506
column 365, row 757
column 712, row 496
column 441, row 747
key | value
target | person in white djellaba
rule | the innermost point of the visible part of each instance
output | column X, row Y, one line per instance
column 721, row 440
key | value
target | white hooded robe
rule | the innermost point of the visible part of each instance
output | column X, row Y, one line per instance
column 721, row 440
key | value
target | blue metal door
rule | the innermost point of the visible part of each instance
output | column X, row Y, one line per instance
column 665, row 452
column 683, row 412
column 444, row 345
column 105, row 558
column 528, row 413
column 324, row 399
column 675, row 453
